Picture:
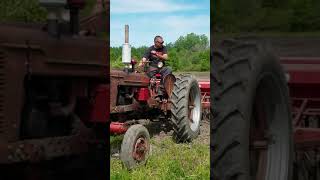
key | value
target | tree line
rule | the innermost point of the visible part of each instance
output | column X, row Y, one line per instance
column 265, row 15
column 30, row 11
column 187, row 53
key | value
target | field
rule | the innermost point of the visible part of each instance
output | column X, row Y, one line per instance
column 168, row 160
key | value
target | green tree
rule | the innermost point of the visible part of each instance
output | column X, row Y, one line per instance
column 188, row 53
column 21, row 10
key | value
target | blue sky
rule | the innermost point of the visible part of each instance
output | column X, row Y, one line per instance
column 148, row 18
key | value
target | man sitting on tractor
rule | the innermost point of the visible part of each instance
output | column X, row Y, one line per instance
column 155, row 54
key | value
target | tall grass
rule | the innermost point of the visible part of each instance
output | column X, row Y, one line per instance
column 168, row 161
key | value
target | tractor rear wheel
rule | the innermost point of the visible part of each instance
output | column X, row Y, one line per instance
column 251, row 126
column 186, row 108
column 135, row 146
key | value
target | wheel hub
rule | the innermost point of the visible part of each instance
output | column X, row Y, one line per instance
column 194, row 108
column 140, row 149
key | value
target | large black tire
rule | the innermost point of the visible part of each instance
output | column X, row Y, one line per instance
column 247, row 80
column 136, row 134
column 186, row 92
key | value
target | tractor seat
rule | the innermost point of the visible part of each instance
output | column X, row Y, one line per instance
column 158, row 76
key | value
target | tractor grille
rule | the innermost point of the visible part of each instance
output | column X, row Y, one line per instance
column 2, row 90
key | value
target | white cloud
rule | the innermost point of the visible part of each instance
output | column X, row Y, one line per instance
column 142, row 30
column 147, row 18
column 183, row 22
column 148, row 6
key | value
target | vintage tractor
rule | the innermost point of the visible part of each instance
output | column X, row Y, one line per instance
column 265, row 108
column 54, row 95
column 134, row 96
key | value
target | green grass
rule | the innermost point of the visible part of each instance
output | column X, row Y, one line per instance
column 168, row 161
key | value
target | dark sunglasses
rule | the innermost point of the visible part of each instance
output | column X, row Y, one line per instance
column 160, row 42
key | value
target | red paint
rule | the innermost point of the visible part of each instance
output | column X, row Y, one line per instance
column 133, row 61
column 307, row 137
column 205, row 105
column 101, row 105
column 118, row 128
column 204, row 86
column 302, row 70
column 143, row 94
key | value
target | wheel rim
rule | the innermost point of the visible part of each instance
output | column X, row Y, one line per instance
column 268, row 133
column 194, row 108
column 258, row 140
column 140, row 149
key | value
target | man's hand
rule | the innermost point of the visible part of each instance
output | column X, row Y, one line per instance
column 162, row 57
column 153, row 52
column 142, row 62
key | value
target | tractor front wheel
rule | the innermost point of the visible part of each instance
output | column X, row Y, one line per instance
column 135, row 146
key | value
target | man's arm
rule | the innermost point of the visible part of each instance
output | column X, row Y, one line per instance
column 143, row 61
column 163, row 56
column 145, row 56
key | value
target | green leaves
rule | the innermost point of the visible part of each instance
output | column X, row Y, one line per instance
column 21, row 11
column 188, row 53
column 31, row 11
column 232, row 16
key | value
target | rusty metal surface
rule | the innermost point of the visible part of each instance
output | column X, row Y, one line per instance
column 27, row 49
column 66, row 55
column 169, row 81
column 138, row 80
column 82, row 57
column 12, row 94
column 35, row 150
column 125, row 108
column 2, row 93
column 307, row 138
column 118, row 78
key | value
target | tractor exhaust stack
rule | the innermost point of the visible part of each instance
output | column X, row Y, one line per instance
column 126, row 34
column 126, row 51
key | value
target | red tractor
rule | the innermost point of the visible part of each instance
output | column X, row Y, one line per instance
column 134, row 96
column 54, row 95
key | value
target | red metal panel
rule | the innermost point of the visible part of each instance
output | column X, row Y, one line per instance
column 302, row 70
column 100, row 111
column 204, row 86
column 304, row 76
column 118, row 128
column 143, row 94
column 300, row 60
column 307, row 137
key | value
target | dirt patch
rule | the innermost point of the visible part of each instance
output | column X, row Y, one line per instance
column 160, row 131
column 200, row 76
column 203, row 138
